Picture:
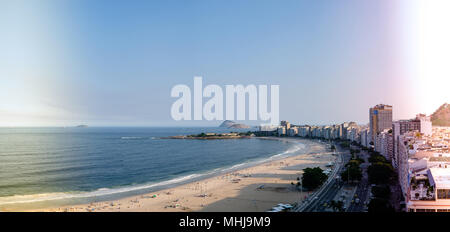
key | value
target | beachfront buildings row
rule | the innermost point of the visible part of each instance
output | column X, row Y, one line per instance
column 419, row 153
column 382, row 133
column 346, row 131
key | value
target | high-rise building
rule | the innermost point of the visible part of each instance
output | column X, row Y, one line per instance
column 384, row 144
column 421, row 123
column 281, row 131
column 364, row 136
column 426, row 126
column 293, row 131
column 380, row 117
column 285, row 124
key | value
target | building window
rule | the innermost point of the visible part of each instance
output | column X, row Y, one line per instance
column 443, row 193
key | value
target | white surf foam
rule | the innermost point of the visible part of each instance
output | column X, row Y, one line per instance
column 18, row 199
column 132, row 137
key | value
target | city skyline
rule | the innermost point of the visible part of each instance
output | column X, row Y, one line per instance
column 102, row 64
column 413, row 149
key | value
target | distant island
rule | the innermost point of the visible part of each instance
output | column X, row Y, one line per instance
column 441, row 117
column 231, row 124
column 231, row 135
column 82, row 126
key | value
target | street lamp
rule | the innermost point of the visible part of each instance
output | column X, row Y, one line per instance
column 299, row 183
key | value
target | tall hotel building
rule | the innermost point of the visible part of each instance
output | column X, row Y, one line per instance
column 380, row 119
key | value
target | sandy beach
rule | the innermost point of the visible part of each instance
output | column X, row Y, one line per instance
column 253, row 189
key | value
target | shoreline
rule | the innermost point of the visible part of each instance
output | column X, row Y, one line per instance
column 235, row 190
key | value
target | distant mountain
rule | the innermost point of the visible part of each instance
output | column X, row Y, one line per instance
column 231, row 124
column 442, row 116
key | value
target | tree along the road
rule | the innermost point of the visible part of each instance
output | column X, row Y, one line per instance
column 375, row 157
column 313, row 178
column 345, row 144
column 380, row 173
column 380, row 205
column 381, row 191
column 352, row 172
column 337, row 205
column 354, row 151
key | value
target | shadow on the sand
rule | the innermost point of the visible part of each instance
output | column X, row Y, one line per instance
column 257, row 197
column 290, row 177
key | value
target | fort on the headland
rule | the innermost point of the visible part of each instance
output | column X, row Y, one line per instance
column 231, row 135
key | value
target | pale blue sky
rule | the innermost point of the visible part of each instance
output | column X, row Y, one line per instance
column 113, row 63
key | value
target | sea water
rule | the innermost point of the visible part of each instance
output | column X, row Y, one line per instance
column 55, row 166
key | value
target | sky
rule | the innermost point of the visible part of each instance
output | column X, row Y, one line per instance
column 114, row 63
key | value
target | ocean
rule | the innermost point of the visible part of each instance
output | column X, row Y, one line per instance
column 42, row 167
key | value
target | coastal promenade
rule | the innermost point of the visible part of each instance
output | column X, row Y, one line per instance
column 363, row 187
column 328, row 189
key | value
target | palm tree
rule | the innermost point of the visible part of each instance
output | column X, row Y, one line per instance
column 339, row 206
column 336, row 205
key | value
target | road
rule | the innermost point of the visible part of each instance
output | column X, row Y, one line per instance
column 363, row 188
column 332, row 189
column 329, row 189
column 318, row 204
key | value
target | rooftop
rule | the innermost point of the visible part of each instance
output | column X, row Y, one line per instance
column 440, row 177
column 440, row 159
column 382, row 107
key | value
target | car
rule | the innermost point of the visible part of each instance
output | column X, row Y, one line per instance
column 276, row 209
column 285, row 206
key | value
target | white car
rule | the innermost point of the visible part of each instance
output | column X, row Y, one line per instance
column 285, row 206
column 277, row 209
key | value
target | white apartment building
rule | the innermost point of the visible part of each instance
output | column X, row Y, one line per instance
column 384, row 143
column 424, row 171
column 354, row 134
column 304, row 131
column 293, row 131
column 364, row 137
column 281, row 130
column 421, row 123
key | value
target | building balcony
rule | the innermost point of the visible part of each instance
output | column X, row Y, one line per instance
column 421, row 192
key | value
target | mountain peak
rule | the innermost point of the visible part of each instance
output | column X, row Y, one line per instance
column 441, row 117
column 231, row 124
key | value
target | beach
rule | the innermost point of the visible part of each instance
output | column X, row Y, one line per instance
column 252, row 189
